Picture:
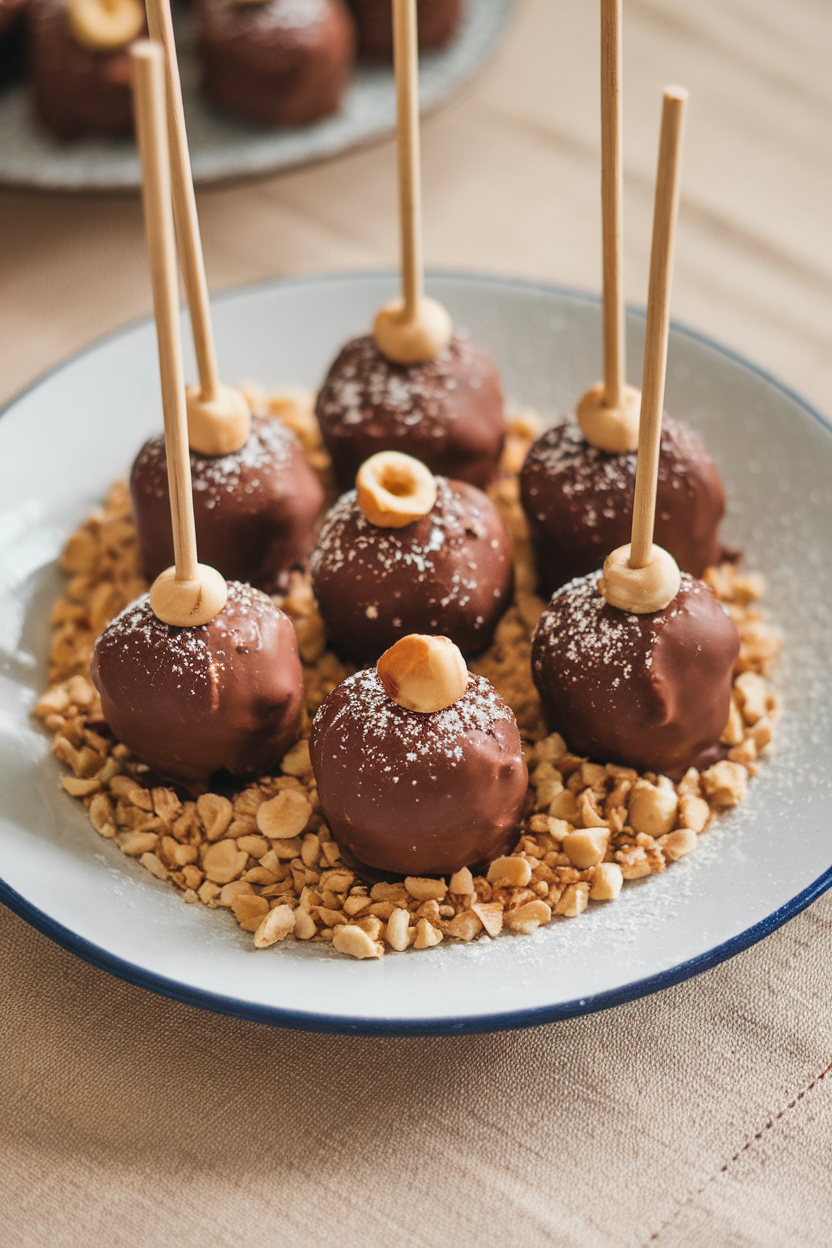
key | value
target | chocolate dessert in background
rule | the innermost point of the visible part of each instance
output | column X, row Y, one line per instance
column 447, row 412
column 282, row 62
column 255, row 510
column 437, row 21
column 578, row 501
column 12, row 39
column 79, row 89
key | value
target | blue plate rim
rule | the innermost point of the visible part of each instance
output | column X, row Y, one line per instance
column 299, row 1020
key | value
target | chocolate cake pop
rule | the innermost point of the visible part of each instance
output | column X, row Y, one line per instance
column 80, row 65
column 409, row 552
column 254, row 510
column 650, row 691
column 578, row 501
column 419, row 765
column 414, row 386
column 200, row 674
column 576, row 485
column 282, row 62
column 437, row 22
column 227, row 695
column 446, row 411
column 255, row 496
column 636, row 666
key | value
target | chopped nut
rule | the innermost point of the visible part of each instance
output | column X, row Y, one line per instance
column 426, row 935
column 215, row 813
column 653, row 807
column 677, row 844
column 297, row 761
column 255, row 846
column 207, row 892
column 462, row 883
column 305, row 927
column 398, row 926
column 465, row 926
column 527, row 917
column 354, row 904
column 694, row 812
column 574, row 900
column 490, row 914
column 154, row 866
column 284, row 816
column 753, row 694
column 725, row 783
column 79, row 788
column 355, row 942
column 223, row 862
column 424, row 889
column 249, row 911
column 586, row 849
column 237, row 888
column 509, row 872
column 276, row 925
column 607, row 882
column 137, row 843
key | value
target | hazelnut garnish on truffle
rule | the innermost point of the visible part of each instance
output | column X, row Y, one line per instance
column 423, row 674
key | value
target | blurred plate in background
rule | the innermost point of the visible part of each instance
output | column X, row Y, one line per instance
column 223, row 146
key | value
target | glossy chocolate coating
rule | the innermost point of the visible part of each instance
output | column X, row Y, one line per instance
column 255, row 509
column 418, row 794
column 285, row 62
column 437, row 22
column 579, row 502
column 192, row 701
column 647, row 691
column 448, row 573
column 447, row 412
column 77, row 90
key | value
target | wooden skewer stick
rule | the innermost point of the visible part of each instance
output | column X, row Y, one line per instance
column 406, row 67
column 611, row 200
column 658, row 324
column 190, row 589
column 160, row 25
column 412, row 328
column 219, row 417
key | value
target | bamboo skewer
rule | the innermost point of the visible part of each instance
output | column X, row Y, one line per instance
column 642, row 577
column 658, row 324
column 160, row 25
column 412, row 328
column 189, row 593
column 612, row 180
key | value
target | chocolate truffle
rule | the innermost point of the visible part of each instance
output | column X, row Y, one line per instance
column 447, row 412
column 450, row 572
column 283, row 62
column 578, row 501
column 192, row 701
column 78, row 90
column 254, row 509
column 436, row 20
column 647, row 691
column 413, row 793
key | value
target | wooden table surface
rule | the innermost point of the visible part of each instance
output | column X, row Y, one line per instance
column 699, row 1116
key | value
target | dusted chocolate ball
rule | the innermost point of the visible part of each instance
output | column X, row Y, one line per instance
column 447, row 412
column 436, row 20
column 449, row 572
column 78, row 90
column 647, row 691
column 189, row 702
column 255, row 509
column 414, row 793
column 283, row 62
column 579, row 501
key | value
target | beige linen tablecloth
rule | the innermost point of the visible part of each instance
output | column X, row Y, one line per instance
column 701, row 1115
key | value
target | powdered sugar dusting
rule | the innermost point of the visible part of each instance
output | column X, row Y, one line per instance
column 576, row 624
column 267, row 451
column 367, row 709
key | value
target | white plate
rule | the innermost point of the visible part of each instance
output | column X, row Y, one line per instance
column 67, row 438
column 223, row 146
